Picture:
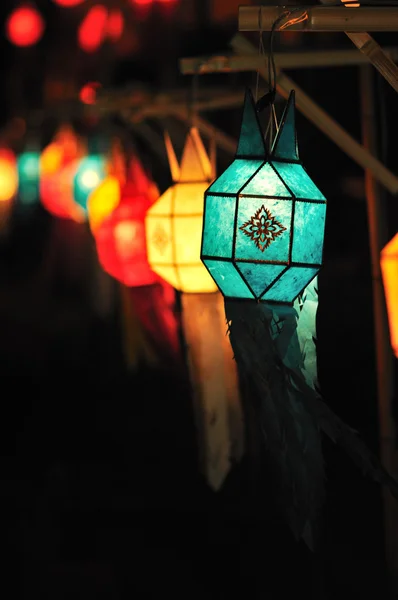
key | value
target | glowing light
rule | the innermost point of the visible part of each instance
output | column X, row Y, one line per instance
column 389, row 271
column 51, row 159
column 89, row 175
column 68, row 3
column 28, row 165
column 103, row 201
column 8, row 175
column 92, row 30
column 174, row 223
column 115, row 25
column 25, row 26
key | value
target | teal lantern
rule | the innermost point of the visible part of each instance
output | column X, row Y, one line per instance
column 91, row 171
column 28, row 165
column 264, row 218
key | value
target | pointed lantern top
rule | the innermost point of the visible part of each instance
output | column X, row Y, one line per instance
column 285, row 145
column 195, row 164
column 251, row 140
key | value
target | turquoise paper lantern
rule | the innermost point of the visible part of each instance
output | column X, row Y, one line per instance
column 90, row 173
column 28, row 165
column 264, row 218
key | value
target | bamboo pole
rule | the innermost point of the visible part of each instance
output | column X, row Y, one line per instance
column 319, row 18
column 323, row 121
column 378, row 236
column 285, row 60
column 377, row 56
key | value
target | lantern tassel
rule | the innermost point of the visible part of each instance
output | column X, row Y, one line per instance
column 268, row 343
column 275, row 350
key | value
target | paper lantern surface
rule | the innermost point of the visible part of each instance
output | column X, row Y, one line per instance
column 28, row 165
column 174, row 223
column 264, row 217
column 389, row 271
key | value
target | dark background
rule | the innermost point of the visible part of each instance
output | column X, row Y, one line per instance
column 99, row 483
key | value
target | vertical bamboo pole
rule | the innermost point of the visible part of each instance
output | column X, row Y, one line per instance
column 215, row 386
column 378, row 236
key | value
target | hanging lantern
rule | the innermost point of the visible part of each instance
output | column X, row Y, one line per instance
column 25, row 26
column 28, row 165
column 389, row 271
column 90, row 173
column 58, row 166
column 8, row 187
column 174, row 222
column 120, row 234
column 56, row 194
column 264, row 217
column 262, row 241
column 8, row 175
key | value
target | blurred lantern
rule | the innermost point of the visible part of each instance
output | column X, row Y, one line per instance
column 88, row 93
column 103, row 201
column 92, row 29
column 56, row 194
column 174, row 222
column 68, row 3
column 24, row 26
column 264, row 217
column 115, row 25
column 389, row 271
column 51, row 159
column 8, row 175
column 58, row 165
column 120, row 236
column 28, row 165
column 90, row 173
column 8, row 186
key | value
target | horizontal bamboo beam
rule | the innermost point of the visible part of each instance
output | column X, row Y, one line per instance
column 319, row 18
column 202, row 65
column 323, row 121
column 155, row 109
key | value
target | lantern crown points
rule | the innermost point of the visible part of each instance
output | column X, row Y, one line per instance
column 195, row 163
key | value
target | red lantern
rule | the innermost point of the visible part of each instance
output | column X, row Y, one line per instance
column 92, row 30
column 120, row 238
column 24, row 26
column 68, row 3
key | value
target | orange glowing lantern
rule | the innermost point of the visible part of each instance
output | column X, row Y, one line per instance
column 24, row 26
column 8, row 175
column 8, row 185
column 389, row 271
column 120, row 236
column 58, row 166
